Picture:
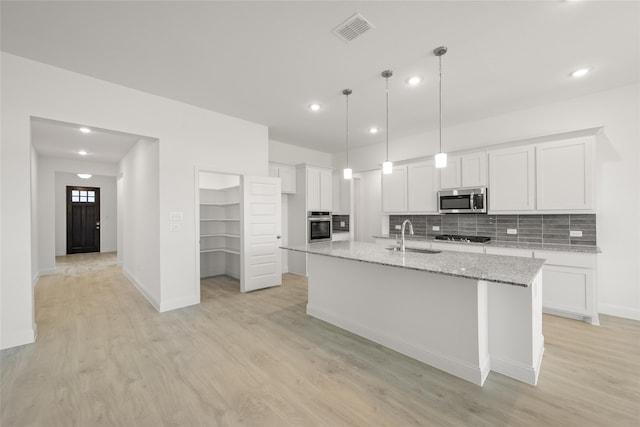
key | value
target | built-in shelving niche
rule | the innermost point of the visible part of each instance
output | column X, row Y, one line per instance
column 220, row 224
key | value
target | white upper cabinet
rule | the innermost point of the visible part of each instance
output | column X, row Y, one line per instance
column 467, row 170
column 341, row 193
column 287, row 175
column 450, row 175
column 473, row 169
column 394, row 190
column 564, row 175
column 319, row 189
column 512, row 179
column 422, row 186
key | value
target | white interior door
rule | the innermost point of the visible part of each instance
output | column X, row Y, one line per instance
column 261, row 255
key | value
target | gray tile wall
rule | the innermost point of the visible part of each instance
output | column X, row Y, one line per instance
column 530, row 228
column 337, row 219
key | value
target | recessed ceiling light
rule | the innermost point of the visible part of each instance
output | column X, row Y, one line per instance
column 373, row 130
column 84, row 175
column 314, row 107
column 82, row 153
column 581, row 72
column 85, row 130
column 414, row 80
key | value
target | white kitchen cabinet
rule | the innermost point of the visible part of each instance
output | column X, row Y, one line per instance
column 450, row 175
column 473, row 170
column 423, row 181
column 564, row 175
column 341, row 194
column 569, row 285
column 287, row 175
column 394, row 190
column 512, row 180
column 319, row 185
column 464, row 171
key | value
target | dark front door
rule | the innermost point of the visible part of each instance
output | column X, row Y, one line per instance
column 83, row 220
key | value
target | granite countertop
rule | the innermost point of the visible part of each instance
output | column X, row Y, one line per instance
column 517, row 271
column 499, row 244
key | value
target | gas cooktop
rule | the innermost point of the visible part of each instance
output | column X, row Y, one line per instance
column 458, row 238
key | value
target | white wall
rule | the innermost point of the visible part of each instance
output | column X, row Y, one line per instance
column 51, row 206
column 108, row 207
column 290, row 154
column 139, row 171
column 618, row 166
column 188, row 136
column 35, row 272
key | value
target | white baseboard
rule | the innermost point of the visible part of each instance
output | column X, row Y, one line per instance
column 17, row 338
column 618, row 311
column 517, row 370
column 178, row 303
column 140, row 287
column 34, row 279
column 466, row 371
column 63, row 253
column 47, row 271
column 105, row 250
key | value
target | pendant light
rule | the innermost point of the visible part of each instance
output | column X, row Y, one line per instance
column 347, row 172
column 441, row 158
column 387, row 166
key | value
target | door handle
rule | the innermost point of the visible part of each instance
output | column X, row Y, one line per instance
column 277, row 237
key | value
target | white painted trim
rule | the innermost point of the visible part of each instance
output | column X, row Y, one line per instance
column 473, row 374
column 593, row 320
column 517, row 370
column 48, row 271
column 140, row 287
column 63, row 253
column 105, row 250
column 34, row 280
column 17, row 338
column 178, row 303
column 619, row 311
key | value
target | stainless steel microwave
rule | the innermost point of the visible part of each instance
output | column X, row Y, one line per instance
column 464, row 200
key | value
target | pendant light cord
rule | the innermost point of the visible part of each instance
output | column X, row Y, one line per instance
column 387, row 118
column 440, row 102
column 347, row 130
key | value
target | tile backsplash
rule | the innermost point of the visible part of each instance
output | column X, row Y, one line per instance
column 529, row 228
column 337, row 220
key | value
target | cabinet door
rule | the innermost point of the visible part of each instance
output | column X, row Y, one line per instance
column 273, row 171
column 326, row 187
column 473, row 169
column 511, row 180
column 450, row 175
column 567, row 289
column 394, row 190
column 564, row 173
column 313, row 189
column 422, row 187
column 287, row 175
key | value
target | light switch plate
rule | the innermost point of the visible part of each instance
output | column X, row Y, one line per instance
column 175, row 216
column 435, row 228
column 512, row 231
column 398, row 227
column 174, row 227
column 575, row 233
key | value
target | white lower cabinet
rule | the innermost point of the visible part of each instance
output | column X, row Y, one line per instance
column 569, row 285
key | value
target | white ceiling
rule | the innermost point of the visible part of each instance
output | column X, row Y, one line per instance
column 64, row 140
column 267, row 61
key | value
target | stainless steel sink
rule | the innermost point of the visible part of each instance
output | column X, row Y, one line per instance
column 417, row 250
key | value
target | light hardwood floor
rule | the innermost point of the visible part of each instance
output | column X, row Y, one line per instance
column 104, row 356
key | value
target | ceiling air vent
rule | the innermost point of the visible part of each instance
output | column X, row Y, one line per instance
column 352, row 28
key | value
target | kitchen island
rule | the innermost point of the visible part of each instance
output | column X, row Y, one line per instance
column 464, row 313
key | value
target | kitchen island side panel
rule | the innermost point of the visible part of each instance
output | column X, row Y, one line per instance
column 437, row 319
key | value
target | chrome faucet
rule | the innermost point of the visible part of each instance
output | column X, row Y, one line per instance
column 404, row 223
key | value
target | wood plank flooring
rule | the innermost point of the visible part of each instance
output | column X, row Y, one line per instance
column 104, row 356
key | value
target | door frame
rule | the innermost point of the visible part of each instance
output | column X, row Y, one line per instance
column 69, row 221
